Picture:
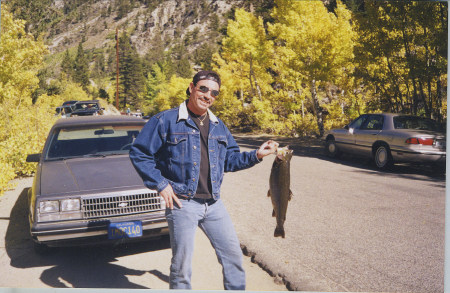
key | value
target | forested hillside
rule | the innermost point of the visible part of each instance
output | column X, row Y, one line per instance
column 289, row 67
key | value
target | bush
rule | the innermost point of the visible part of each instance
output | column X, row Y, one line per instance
column 27, row 130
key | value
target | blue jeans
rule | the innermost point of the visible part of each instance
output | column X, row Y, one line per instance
column 216, row 223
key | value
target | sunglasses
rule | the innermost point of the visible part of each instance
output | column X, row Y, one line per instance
column 205, row 89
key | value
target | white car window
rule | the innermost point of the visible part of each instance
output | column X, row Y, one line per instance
column 356, row 124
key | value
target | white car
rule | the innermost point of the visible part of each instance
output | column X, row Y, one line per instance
column 389, row 138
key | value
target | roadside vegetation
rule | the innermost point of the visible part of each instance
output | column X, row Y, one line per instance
column 293, row 68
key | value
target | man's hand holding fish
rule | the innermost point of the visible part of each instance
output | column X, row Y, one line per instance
column 267, row 148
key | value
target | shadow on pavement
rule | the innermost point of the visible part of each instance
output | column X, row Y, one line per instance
column 315, row 148
column 81, row 267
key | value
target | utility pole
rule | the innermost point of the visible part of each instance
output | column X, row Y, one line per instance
column 117, row 68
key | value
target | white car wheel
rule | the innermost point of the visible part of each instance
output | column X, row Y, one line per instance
column 332, row 149
column 383, row 157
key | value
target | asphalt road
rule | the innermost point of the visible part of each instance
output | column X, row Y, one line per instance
column 349, row 228
column 133, row 266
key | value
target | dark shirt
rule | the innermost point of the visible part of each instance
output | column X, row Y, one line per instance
column 204, row 189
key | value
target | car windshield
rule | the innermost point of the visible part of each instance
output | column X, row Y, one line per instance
column 413, row 122
column 91, row 141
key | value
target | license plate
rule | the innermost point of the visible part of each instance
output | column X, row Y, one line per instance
column 125, row 230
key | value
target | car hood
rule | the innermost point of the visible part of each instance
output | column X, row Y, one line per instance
column 85, row 175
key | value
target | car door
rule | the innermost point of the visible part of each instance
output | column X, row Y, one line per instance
column 347, row 139
column 367, row 134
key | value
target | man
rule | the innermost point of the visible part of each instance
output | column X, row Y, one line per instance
column 183, row 154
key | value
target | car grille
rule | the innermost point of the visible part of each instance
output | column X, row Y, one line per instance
column 120, row 205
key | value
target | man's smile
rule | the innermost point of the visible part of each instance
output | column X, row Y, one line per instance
column 204, row 100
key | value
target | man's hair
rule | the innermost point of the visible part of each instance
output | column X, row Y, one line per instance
column 202, row 75
column 206, row 74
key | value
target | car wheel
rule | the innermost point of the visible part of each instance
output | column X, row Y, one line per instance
column 383, row 157
column 332, row 149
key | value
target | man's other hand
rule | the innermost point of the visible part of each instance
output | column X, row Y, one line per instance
column 170, row 197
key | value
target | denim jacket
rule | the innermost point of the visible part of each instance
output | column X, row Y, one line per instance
column 167, row 150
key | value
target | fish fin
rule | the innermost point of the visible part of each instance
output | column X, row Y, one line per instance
column 290, row 195
column 269, row 194
column 273, row 213
column 279, row 232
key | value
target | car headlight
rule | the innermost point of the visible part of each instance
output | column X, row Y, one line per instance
column 68, row 205
column 49, row 206
column 59, row 210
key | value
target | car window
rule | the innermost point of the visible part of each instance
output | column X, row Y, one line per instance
column 374, row 122
column 356, row 124
column 413, row 122
column 103, row 141
column 86, row 106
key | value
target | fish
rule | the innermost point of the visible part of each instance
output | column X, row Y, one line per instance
column 279, row 188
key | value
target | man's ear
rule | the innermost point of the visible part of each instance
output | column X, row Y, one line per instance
column 191, row 87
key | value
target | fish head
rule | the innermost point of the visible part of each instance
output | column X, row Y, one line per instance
column 284, row 154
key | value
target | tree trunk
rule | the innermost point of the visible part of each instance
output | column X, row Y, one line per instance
column 398, row 95
column 317, row 110
column 424, row 99
column 428, row 58
column 439, row 98
column 415, row 97
column 410, row 63
column 252, row 74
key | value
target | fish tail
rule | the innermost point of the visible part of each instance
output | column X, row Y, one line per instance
column 279, row 232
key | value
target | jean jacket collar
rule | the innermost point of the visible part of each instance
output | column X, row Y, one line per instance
column 183, row 113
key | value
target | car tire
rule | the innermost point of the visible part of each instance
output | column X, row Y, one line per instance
column 332, row 149
column 382, row 157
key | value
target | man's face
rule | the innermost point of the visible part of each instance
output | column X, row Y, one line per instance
column 199, row 101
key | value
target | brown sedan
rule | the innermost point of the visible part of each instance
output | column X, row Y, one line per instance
column 87, row 191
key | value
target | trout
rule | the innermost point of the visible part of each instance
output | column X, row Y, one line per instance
column 280, row 191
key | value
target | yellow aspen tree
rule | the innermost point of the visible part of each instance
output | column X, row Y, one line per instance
column 172, row 95
column 245, row 57
column 402, row 53
column 23, row 124
column 313, row 47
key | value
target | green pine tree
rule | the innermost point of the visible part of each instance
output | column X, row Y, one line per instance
column 81, row 67
column 131, row 75
column 67, row 66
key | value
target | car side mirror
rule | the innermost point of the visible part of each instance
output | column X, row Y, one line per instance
column 34, row 158
column 346, row 127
